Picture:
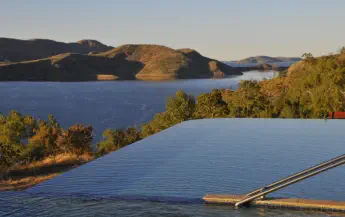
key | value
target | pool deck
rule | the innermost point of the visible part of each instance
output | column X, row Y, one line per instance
column 291, row 203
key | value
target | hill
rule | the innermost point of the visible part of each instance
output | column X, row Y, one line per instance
column 143, row 62
column 267, row 59
column 163, row 63
column 15, row 50
column 289, row 59
column 311, row 88
column 69, row 67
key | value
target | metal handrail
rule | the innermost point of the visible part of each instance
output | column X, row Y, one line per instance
column 248, row 199
column 318, row 166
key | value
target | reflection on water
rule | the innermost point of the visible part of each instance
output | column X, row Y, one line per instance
column 23, row 204
column 105, row 105
column 183, row 163
column 194, row 158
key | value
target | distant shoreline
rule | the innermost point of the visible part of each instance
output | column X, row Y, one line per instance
column 136, row 80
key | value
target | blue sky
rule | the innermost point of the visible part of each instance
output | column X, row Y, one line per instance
column 222, row 29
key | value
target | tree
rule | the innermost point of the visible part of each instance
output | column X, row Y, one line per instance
column 178, row 109
column 14, row 128
column 249, row 101
column 307, row 56
column 317, row 88
column 116, row 139
column 44, row 142
column 342, row 50
column 210, row 105
column 77, row 139
column 8, row 155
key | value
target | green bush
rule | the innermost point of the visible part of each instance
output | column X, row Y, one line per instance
column 14, row 128
column 249, row 101
column 9, row 154
column 210, row 105
column 34, row 152
column 115, row 139
column 178, row 109
column 77, row 139
column 45, row 137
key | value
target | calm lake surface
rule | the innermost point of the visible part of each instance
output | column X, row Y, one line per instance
column 168, row 173
column 117, row 104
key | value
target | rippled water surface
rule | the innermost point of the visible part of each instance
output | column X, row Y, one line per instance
column 28, row 205
column 169, row 172
column 198, row 157
column 104, row 104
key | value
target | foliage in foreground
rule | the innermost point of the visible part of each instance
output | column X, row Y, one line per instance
column 24, row 140
column 309, row 89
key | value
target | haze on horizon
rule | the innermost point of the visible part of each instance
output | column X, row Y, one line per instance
column 221, row 29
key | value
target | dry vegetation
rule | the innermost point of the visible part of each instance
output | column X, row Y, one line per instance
column 25, row 176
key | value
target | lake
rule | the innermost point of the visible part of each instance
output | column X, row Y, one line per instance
column 168, row 173
column 104, row 105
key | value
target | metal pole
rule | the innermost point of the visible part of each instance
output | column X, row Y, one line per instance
column 325, row 163
column 288, row 183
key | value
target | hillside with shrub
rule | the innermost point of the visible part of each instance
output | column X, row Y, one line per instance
column 34, row 150
column 70, row 67
column 127, row 62
column 310, row 89
column 163, row 63
column 16, row 50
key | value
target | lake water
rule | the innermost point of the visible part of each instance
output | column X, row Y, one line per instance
column 117, row 104
column 168, row 173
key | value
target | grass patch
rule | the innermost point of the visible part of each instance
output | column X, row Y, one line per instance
column 24, row 176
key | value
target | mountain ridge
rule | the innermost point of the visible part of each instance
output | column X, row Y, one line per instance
column 17, row 50
column 126, row 62
column 267, row 59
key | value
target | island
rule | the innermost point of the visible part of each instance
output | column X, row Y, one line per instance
column 89, row 60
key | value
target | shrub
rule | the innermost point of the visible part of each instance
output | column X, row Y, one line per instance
column 45, row 137
column 15, row 128
column 77, row 139
column 342, row 50
column 210, row 105
column 8, row 156
column 115, row 139
column 178, row 109
column 34, row 152
column 249, row 101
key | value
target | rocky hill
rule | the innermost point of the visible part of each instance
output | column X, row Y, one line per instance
column 69, row 67
column 267, row 59
column 143, row 62
column 163, row 63
column 15, row 50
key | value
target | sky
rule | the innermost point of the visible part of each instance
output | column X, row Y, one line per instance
column 220, row 29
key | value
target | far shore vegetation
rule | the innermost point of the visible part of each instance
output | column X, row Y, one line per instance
column 34, row 150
